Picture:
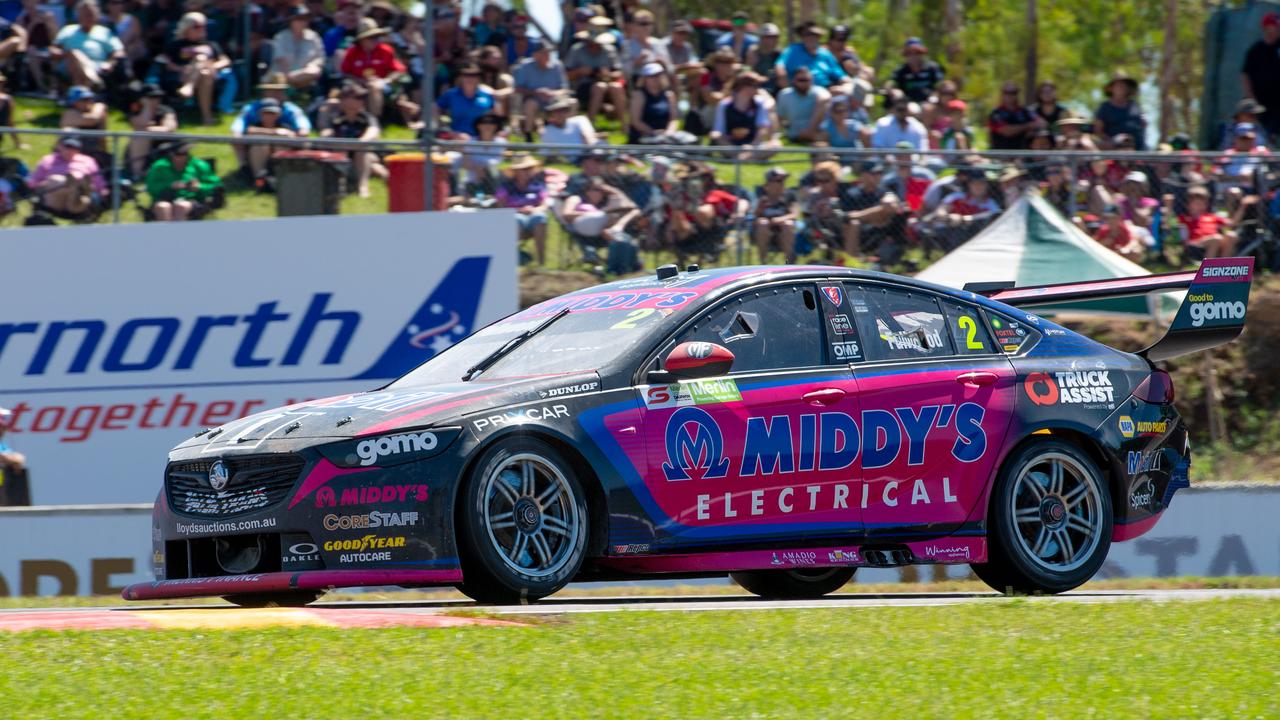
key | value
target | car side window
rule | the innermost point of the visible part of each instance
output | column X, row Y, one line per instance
column 899, row 324
column 968, row 331
column 773, row 328
column 1011, row 335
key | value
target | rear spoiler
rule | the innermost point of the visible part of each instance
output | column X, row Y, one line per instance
column 1212, row 313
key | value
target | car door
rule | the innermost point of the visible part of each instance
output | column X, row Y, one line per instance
column 766, row 450
column 936, row 399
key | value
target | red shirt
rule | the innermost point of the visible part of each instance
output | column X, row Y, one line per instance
column 1113, row 238
column 1202, row 226
column 725, row 203
column 380, row 62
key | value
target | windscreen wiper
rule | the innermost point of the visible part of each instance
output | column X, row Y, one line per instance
column 510, row 345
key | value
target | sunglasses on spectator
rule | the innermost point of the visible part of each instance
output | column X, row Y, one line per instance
column 1010, row 91
column 645, row 23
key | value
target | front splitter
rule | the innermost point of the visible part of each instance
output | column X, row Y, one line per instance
column 274, row 582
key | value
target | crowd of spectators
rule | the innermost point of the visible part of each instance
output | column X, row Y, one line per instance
column 348, row 68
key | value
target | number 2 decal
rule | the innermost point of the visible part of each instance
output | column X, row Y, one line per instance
column 633, row 317
column 967, row 324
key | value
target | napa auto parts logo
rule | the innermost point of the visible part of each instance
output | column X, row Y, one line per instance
column 236, row 339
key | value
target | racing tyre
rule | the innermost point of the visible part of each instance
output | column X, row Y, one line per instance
column 272, row 600
column 1050, row 521
column 522, row 523
column 793, row 584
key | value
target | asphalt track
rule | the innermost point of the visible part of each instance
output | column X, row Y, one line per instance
column 454, row 613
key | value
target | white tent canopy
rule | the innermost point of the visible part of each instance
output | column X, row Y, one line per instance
column 1032, row 244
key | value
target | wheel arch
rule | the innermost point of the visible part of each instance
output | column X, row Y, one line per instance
column 597, row 502
column 1107, row 462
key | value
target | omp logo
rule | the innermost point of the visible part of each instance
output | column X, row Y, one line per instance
column 373, row 450
column 695, row 447
column 316, row 332
column 1202, row 311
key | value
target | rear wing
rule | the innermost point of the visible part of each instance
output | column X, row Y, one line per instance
column 1212, row 313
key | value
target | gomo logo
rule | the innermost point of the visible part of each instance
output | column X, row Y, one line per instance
column 1202, row 311
column 373, row 450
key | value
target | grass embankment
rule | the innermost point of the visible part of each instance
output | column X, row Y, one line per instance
column 1017, row 659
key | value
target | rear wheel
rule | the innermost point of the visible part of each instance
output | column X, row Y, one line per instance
column 793, row 584
column 270, row 600
column 522, row 525
column 1050, row 521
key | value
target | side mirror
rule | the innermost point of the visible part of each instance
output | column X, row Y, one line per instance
column 692, row 360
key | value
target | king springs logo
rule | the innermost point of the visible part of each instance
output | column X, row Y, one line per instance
column 1075, row 387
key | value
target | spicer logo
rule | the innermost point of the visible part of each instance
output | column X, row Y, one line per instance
column 373, row 450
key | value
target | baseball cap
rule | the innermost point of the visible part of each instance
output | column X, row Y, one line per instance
column 776, row 173
column 914, row 44
column 840, row 32
column 651, row 69
column 269, row 105
column 1135, row 176
column 1245, row 129
column 770, row 30
column 683, row 26
column 78, row 93
column 872, row 166
column 957, row 104
column 1271, row 18
column 71, row 141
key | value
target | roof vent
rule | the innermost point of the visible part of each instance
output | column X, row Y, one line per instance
column 693, row 267
column 666, row 272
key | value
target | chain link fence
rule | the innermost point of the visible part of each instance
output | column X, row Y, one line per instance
column 615, row 209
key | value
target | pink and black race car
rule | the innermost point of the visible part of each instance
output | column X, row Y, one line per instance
column 783, row 425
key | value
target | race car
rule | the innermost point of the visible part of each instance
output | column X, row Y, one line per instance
column 782, row 425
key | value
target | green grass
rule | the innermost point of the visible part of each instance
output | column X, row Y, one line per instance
column 244, row 203
column 650, row 589
column 1003, row 659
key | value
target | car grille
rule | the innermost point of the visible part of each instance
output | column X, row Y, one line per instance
column 256, row 483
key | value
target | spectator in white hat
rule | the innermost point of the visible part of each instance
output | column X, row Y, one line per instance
column 653, row 106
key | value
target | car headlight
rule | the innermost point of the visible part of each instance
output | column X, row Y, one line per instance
column 387, row 450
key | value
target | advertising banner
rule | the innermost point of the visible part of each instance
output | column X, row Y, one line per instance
column 1221, row 531
column 118, row 341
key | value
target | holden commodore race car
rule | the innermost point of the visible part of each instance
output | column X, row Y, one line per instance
column 782, row 425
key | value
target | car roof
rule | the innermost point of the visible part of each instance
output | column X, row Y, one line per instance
column 714, row 282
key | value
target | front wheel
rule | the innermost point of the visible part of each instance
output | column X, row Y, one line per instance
column 522, row 524
column 1050, row 521
column 793, row 584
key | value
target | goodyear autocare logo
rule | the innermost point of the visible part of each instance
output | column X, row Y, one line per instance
column 1073, row 387
column 697, row 392
column 695, row 446
column 1204, row 308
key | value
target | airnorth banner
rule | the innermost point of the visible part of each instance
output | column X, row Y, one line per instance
column 116, row 342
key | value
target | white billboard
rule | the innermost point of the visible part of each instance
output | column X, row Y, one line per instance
column 116, row 342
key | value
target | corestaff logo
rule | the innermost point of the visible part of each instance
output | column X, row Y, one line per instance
column 695, row 446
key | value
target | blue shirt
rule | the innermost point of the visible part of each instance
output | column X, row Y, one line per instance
column 748, row 41
column 291, row 117
column 334, row 37
column 824, row 66
column 463, row 110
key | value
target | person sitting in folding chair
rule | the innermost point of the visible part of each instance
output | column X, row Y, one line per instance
column 67, row 182
column 182, row 187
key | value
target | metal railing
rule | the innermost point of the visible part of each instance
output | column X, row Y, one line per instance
column 1082, row 173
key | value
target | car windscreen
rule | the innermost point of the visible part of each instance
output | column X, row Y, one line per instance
column 579, row 341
